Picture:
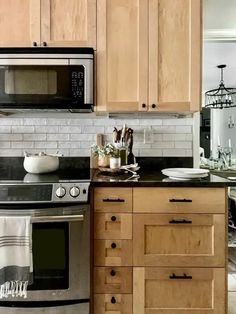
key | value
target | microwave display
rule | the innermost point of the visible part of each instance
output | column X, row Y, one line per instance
column 52, row 86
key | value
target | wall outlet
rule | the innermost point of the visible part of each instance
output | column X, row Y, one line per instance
column 148, row 135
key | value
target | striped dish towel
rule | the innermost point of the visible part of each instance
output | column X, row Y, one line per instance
column 16, row 261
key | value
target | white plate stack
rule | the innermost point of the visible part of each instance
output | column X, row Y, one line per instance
column 185, row 173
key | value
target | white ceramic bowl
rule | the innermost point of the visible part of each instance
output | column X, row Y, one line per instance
column 41, row 163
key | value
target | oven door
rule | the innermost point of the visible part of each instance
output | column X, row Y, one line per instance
column 46, row 84
column 61, row 259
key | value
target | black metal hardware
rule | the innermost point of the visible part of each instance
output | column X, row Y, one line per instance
column 115, row 200
column 153, row 106
column 113, row 245
column 34, row 44
column 173, row 276
column 44, row 43
column 183, row 221
column 143, row 105
column 113, row 300
column 113, row 272
column 113, row 218
column 184, row 200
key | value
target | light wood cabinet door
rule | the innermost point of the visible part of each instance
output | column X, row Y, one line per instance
column 113, row 253
column 113, row 304
column 112, row 226
column 175, row 54
column 191, row 240
column 19, row 23
column 66, row 23
column 180, row 291
column 113, row 280
column 179, row 200
column 122, row 55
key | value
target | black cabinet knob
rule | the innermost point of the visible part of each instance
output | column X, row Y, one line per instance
column 143, row 105
column 113, row 272
column 113, row 245
column 34, row 44
column 113, row 218
column 44, row 43
column 113, row 300
column 153, row 106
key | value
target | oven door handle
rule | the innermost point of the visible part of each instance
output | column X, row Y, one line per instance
column 66, row 218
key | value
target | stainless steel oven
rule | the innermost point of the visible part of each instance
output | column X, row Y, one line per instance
column 46, row 79
column 61, row 246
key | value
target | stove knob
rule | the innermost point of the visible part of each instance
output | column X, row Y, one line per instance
column 74, row 192
column 60, row 192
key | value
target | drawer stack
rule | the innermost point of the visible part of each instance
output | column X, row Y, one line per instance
column 160, row 250
column 113, row 276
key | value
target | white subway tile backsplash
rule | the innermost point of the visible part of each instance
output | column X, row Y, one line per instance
column 34, row 137
column 11, row 137
column 21, row 129
column 58, row 137
column 93, row 129
column 5, row 145
column 70, row 129
column 5, row 129
column 74, row 135
column 22, row 145
column 46, row 129
column 82, row 137
column 45, row 144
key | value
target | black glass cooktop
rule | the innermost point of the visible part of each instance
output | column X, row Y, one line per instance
column 70, row 169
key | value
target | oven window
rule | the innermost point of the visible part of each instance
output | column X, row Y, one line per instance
column 50, row 256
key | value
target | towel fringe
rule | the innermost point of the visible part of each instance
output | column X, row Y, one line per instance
column 14, row 288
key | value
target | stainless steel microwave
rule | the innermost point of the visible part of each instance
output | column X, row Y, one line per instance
column 46, row 79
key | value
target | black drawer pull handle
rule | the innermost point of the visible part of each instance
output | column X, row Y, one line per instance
column 184, row 200
column 44, row 44
column 115, row 200
column 113, row 300
column 113, row 272
column 113, row 245
column 113, row 218
column 34, row 44
column 173, row 276
column 183, row 221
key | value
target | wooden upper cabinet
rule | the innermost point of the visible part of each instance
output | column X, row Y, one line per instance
column 175, row 54
column 19, row 23
column 61, row 23
column 68, row 23
column 149, row 55
column 122, row 55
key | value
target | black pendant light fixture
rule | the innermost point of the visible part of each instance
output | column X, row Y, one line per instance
column 222, row 97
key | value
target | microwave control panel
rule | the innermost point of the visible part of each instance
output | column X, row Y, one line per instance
column 77, row 84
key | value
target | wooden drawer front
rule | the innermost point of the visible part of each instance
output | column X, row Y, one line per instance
column 162, row 291
column 113, row 252
column 112, row 226
column 179, row 200
column 179, row 239
column 113, row 304
column 113, row 279
column 113, row 200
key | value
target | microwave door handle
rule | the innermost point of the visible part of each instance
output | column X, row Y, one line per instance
column 63, row 218
column 34, row 62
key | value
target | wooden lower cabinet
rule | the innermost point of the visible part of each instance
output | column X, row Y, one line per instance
column 113, row 304
column 178, row 290
column 191, row 240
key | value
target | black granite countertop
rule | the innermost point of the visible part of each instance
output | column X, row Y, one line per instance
column 150, row 175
